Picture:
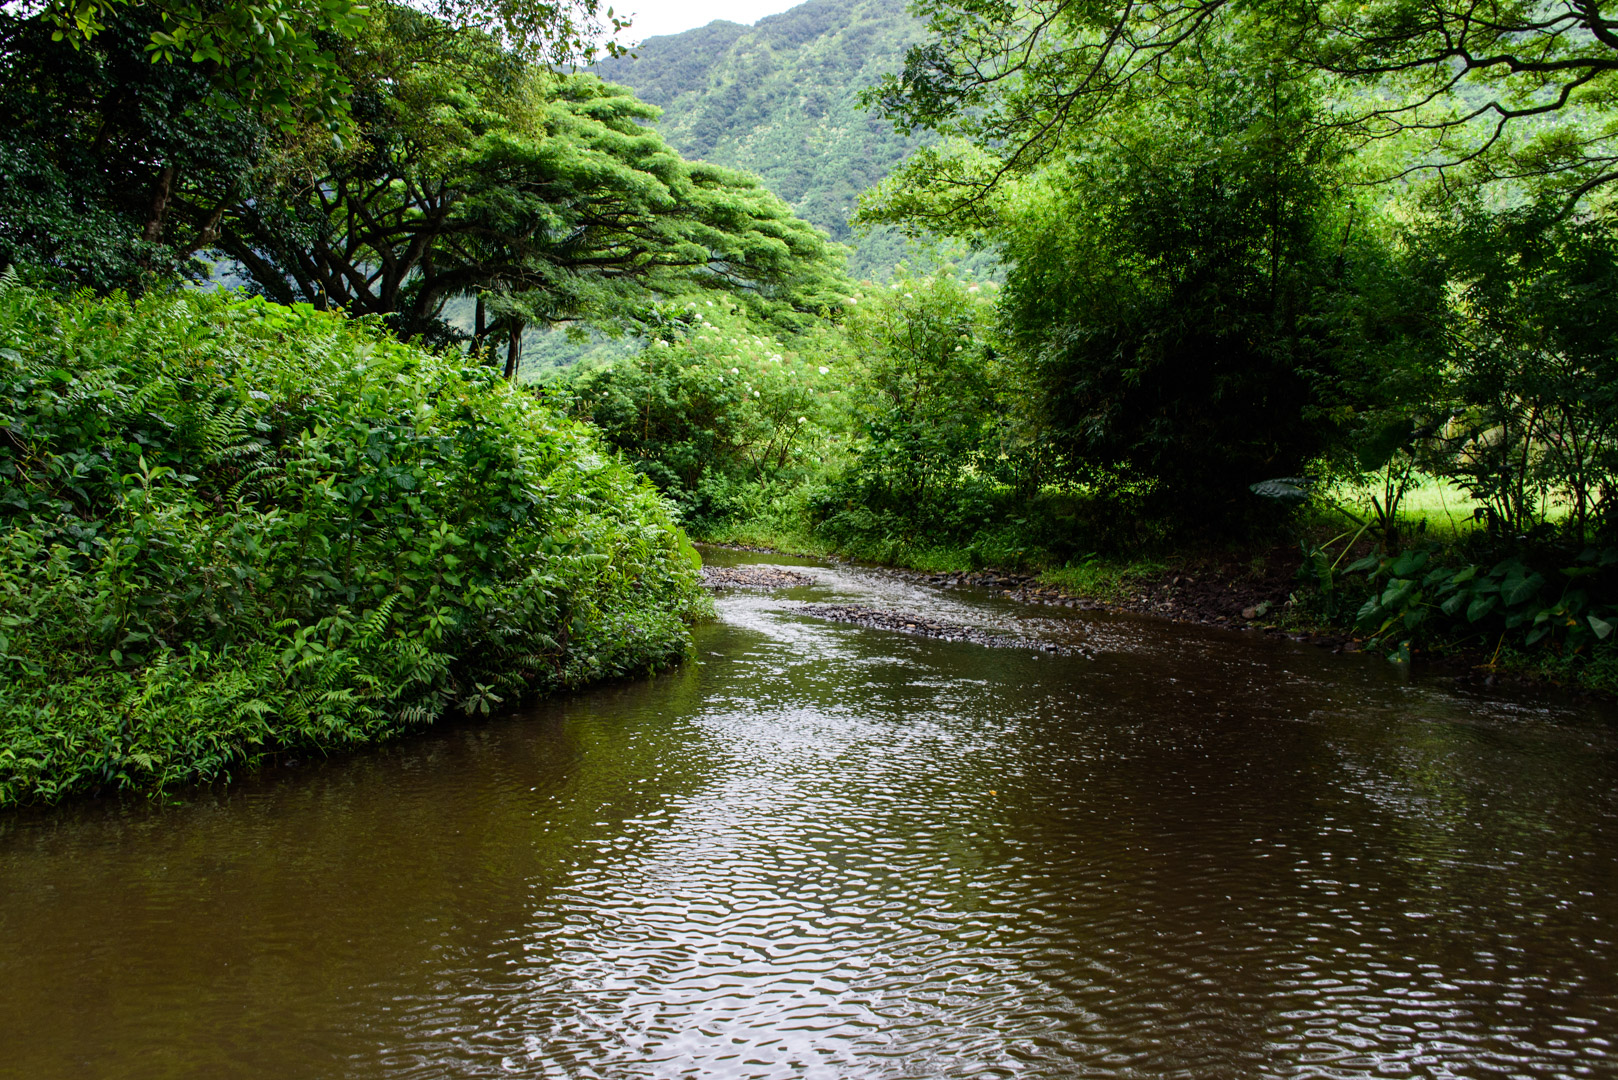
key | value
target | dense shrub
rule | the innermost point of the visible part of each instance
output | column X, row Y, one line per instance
column 1530, row 424
column 924, row 404
column 228, row 526
column 713, row 410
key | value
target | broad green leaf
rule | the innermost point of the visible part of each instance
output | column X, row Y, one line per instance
column 1520, row 590
column 1480, row 606
column 1408, row 563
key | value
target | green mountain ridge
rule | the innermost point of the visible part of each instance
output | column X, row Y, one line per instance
column 780, row 99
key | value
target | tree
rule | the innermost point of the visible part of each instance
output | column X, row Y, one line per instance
column 1175, row 289
column 470, row 173
column 130, row 125
column 926, row 397
column 544, row 195
column 114, row 168
column 279, row 54
column 1451, row 81
column 1532, row 371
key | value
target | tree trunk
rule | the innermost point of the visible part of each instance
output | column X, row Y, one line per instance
column 479, row 329
column 161, row 194
column 514, row 350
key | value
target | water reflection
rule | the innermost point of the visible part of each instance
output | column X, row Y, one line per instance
column 833, row 852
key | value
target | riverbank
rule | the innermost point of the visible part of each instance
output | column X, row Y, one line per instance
column 1247, row 588
column 1254, row 588
column 231, row 529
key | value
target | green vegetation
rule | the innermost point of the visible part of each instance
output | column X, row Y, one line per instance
column 542, row 195
column 715, row 410
column 1212, row 278
column 236, row 526
column 1215, row 323
column 897, row 434
column 780, row 100
column 469, row 176
column 1503, row 93
column 233, row 527
column 167, row 114
column 276, row 58
column 333, row 509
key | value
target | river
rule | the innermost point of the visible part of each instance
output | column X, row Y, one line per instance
column 827, row 851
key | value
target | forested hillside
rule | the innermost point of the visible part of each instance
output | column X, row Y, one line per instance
column 780, row 99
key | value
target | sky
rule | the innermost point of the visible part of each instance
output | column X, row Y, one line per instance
column 654, row 18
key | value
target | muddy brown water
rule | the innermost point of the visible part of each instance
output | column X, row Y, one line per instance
column 830, row 851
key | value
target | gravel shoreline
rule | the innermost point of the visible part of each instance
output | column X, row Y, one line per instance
column 753, row 577
column 933, row 628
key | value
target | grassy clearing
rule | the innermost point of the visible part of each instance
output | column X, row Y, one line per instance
column 1432, row 507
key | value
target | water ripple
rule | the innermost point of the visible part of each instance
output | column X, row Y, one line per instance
column 825, row 851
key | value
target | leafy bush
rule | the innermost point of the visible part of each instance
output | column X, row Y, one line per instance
column 896, row 435
column 926, row 400
column 712, row 411
column 1421, row 597
column 229, row 527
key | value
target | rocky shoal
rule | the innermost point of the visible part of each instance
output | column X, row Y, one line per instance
column 932, row 628
column 752, row 577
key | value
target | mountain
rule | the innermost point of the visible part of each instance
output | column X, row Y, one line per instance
column 779, row 99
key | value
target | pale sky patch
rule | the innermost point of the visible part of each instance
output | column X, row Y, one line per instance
column 654, row 18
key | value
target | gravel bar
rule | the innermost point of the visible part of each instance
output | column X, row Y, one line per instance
column 753, row 577
column 912, row 624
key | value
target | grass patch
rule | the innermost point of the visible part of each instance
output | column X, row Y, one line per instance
column 1103, row 579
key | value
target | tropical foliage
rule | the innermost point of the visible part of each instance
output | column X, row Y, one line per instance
column 232, row 527
column 544, row 194
column 277, row 57
column 1504, row 90
column 1267, row 271
column 469, row 174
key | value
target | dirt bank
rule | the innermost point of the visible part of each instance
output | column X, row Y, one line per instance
column 1245, row 590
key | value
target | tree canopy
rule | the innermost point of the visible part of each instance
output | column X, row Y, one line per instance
column 470, row 173
column 281, row 54
column 116, row 168
column 1173, row 288
column 546, row 193
column 1465, row 88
